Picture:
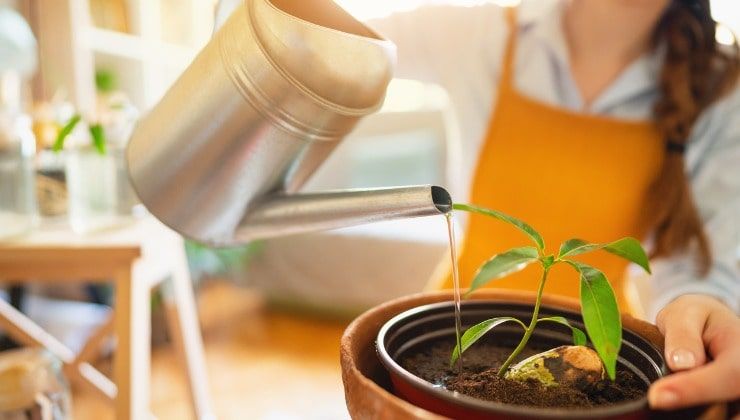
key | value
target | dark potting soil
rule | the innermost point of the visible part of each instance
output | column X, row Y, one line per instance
column 479, row 379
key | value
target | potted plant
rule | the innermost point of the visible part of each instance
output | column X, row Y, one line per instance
column 96, row 175
column 90, row 174
column 522, row 355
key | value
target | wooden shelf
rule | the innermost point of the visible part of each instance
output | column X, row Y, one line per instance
column 116, row 43
column 145, row 61
column 135, row 47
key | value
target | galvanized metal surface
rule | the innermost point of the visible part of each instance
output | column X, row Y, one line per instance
column 258, row 110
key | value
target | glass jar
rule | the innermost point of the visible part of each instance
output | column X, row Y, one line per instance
column 92, row 191
column 127, row 199
column 32, row 386
column 119, row 117
column 18, row 211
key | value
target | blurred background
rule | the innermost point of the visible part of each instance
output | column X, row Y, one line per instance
column 71, row 70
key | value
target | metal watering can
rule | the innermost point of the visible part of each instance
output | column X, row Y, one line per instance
column 223, row 155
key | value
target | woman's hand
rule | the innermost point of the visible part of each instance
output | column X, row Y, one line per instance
column 691, row 324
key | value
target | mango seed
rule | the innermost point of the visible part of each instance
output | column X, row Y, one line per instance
column 577, row 366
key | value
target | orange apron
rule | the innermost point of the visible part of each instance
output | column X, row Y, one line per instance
column 568, row 175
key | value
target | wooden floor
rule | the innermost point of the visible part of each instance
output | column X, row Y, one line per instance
column 262, row 364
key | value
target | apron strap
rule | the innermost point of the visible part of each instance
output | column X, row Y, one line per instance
column 508, row 63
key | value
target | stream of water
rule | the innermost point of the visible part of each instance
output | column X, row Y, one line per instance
column 455, row 283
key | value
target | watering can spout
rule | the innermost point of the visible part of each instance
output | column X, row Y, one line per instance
column 298, row 213
column 223, row 156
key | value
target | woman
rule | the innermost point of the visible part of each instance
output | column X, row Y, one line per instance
column 602, row 120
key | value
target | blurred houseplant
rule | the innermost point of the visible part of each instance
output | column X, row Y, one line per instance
column 97, row 183
column 225, row 263
column 90, row 176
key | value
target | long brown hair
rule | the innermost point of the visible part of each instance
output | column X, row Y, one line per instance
column 696, row 72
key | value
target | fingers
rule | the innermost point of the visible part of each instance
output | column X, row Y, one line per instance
column 716, row 381
column 683, row 325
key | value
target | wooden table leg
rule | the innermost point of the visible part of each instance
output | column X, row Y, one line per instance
column 184, row 329
column 131, row 360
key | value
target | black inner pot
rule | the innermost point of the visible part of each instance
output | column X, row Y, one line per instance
column 404, row 334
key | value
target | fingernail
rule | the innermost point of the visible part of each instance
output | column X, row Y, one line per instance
column 682, row 359
column 663, row 399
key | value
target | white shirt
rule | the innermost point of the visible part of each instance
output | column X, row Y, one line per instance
column 461, row 49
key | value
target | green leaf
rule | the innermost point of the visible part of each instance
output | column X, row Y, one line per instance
column 528, row 230
column 503, row 264
column 105, row 81
column 64, row 132
column 579, row 337
column 631, row 250
column 474, row 333
column 600, row 315
column 98, row 138
column 627, row 248
column 575, row 247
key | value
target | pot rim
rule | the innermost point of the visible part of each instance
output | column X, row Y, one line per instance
column 489, row 406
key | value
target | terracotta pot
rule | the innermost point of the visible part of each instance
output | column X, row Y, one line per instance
column 370, row 388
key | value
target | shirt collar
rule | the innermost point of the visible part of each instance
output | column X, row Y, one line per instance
column 533, row 12
column 639, row 78
column 542, row 19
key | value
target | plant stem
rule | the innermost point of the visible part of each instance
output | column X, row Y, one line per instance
column 530, row 329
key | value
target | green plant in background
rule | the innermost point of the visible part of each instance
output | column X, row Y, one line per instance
column 97, row 133
column 205, row 261
column 598, row 304
column 105, row 81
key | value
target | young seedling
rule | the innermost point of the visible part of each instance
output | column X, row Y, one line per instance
column 598, row 304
